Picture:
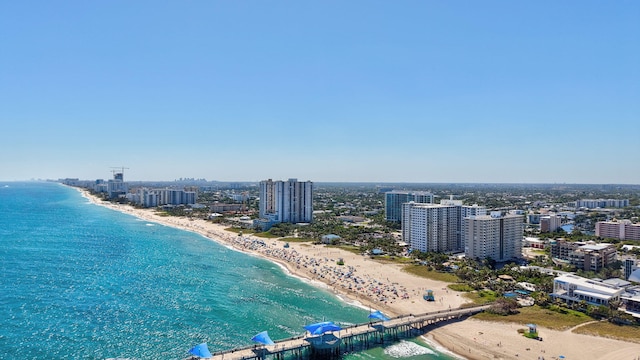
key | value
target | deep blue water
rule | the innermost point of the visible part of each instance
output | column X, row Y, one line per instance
column 83, row 281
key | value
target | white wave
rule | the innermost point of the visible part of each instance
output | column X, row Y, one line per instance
column 148, row 224
column 405, row 349
column 440, row 348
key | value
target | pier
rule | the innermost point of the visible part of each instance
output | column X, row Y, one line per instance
column 353, row 338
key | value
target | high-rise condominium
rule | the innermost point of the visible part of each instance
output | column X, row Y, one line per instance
column 288, row 201
column 431, row 227
column 493, row 236
column 394, row 199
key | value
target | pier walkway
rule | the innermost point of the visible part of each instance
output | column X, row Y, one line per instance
column 355, row 337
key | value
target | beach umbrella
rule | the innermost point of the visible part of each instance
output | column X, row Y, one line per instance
column 263, row 338
column 378, row 315
column 313, row 327
column 201, row 351
column 324, row 328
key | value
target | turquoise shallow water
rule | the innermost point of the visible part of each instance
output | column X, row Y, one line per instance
column 83, row 281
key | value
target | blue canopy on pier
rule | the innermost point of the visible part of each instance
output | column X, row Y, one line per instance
column 201, row 350
column 378, row 315
column 313, row 327
column 322, row 327
column 263, row 338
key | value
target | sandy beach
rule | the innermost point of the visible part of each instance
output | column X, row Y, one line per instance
column 388, row 288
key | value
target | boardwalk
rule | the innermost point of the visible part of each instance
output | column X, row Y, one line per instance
column 356, row 336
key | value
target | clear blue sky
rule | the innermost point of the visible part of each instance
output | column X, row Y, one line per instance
column 411, row 91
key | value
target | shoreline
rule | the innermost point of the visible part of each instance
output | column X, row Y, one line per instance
column 373, row 285
column 383, row 287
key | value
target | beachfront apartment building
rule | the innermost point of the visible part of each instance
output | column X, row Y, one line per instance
column 288, row 201
column 430, row 227
column 394, row 199
column 436, row 227
column 623, row 230
column 571, row 288
column 496, row 236
column 161, row 197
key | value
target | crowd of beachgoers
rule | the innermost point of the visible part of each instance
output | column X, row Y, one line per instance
column 327, row 270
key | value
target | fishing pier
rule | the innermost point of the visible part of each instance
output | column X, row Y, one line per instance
column 352, row 338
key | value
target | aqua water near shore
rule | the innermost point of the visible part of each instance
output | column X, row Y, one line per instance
column 82, row 281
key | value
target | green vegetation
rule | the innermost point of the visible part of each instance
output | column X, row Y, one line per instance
column 609, row 330
column 481, row 297
column 350, row 248
column 266, row 235
column 239, row 230
column 296, row 239
column 460, row 287
column 541, row 317
column 424, row 272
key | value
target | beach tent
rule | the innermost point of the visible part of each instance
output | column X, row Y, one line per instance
column 322, row 327
column 378, row 315
column 201, row 351
column 263, row 338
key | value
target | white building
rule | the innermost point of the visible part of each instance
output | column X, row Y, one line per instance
column 158, row 197
column 429, row 227
column 602, row 203
column 493, row 236
column 288, row 201
column 572, row 288
column 550, row 223
column 394, row 199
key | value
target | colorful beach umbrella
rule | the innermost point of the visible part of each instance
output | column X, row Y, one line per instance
column 378, row 315
column 263, row 338
column 201, row 350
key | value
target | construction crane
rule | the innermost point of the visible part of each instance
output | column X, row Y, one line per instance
column 121, row 172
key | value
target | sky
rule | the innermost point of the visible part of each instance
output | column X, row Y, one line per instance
column 362, row 91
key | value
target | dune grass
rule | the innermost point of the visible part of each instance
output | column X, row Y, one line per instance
column 424, row 272
column 539, row 316
column 613, row 331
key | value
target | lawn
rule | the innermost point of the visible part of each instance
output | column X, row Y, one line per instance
column 613, row 331
column 541, row 317
column 422, row 271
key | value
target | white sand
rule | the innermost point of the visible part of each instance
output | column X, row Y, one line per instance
column 384, row 286
column 477, row 339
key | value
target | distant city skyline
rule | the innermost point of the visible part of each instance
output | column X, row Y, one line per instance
column 332, row 91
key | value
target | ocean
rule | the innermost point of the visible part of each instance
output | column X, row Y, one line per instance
column 81, row 281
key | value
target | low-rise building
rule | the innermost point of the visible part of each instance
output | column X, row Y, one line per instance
column 588, row 256
column 574, row 289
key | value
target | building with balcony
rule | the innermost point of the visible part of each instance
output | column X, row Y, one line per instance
column 623, row 230
column 571, row 288
column 288, row 201
column 394, row 199
column 588, row 256
column 493, row 236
